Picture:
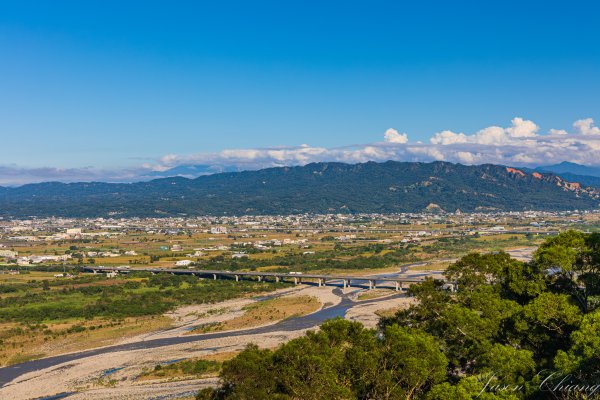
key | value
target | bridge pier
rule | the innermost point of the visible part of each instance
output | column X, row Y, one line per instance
column 399, row 284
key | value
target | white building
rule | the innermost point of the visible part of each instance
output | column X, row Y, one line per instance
column 74, row 232
column 8, row 253
column 218, row 230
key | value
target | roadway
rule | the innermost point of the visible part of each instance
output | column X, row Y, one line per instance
column 398, row 283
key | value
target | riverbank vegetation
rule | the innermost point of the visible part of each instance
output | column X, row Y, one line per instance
column 512, row 330
column 265, row 312
column 353, row 256
column 182, row 369
column 39, row 317
column 322, row 252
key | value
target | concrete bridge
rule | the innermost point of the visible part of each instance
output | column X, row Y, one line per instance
column 345, row 280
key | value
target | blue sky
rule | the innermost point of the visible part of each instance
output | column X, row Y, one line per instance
column 108, row 85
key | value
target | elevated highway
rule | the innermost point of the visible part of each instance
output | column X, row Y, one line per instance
column 397, row 283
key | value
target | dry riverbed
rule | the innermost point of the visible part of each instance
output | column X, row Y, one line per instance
column 132, row 373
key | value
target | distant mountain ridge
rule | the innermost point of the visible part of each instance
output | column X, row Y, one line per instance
column 567, row 167
column 583, row 174
column 314, row 188
column 190, row 171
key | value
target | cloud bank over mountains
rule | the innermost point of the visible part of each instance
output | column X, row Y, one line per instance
column 519, row 144
column 12, row 175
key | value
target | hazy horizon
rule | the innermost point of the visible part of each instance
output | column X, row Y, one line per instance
column 116, row 92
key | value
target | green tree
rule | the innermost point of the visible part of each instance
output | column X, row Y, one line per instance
column 507, row 321
column 583, row 357
column 471, row 388
column 414, row 360
column 573, row 259
column 249, row 375
column 547, row 322
column 510, row 365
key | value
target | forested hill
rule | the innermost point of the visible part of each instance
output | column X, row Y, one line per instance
column 316, row 188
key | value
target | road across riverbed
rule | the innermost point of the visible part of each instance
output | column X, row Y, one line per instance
column 398, row 283
column 8, row 374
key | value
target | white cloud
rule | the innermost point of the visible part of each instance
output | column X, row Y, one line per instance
column 430, row 153
column 448, row 137
column 519, row 144
column 586, row 127
column 11, row 175
column 392, row 136
column 467, row 157
column 492, row 135
column 168, row 158
column 523, row 158
column 558, row 132
column 522, row 128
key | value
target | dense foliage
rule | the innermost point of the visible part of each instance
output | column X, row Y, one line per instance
column 357, row 257
column 512, row 330
column 184, row 367
column 316, row 188
column 90, row 297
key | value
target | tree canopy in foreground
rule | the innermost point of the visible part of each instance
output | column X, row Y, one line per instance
column 512, row 330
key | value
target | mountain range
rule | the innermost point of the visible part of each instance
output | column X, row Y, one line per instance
column 569, row 171
column 566, row 167
column 190, row 171
column 574, row 172
column 314, row 188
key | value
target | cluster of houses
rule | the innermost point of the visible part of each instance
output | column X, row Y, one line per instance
column 40, row 259
column 9, row 254
column 249, row 234
column 269, row 244
column 113, row 253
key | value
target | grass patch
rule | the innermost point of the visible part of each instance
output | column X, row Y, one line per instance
column 265, row 312
column 374, row 294
column 433, row 266
column 20, row 343
column 387, row 312
column 192, row 368
column 24, row 357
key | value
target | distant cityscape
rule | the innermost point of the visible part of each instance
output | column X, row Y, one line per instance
column 250, row 231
